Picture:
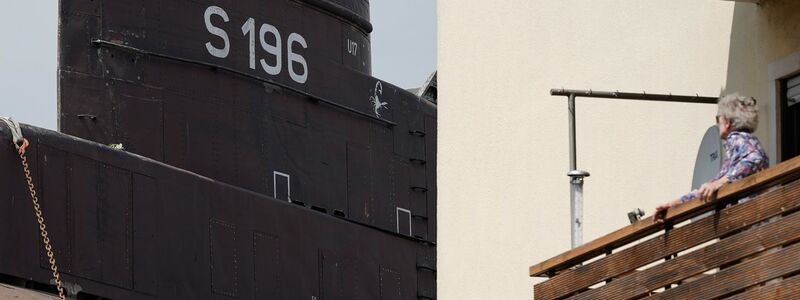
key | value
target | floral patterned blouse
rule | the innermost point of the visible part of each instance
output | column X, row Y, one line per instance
column 745, row 157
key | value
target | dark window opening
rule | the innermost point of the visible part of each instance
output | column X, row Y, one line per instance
column 281, row 184
column 403, row 221
column 790, row 117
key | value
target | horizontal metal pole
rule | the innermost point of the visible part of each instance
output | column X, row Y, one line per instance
column 634, row 96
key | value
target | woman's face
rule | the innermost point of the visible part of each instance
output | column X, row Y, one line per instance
column 724, row 127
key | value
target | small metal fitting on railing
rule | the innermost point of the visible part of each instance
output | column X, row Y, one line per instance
column 635, row 215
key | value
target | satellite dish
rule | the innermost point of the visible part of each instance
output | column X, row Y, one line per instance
column 709, row 158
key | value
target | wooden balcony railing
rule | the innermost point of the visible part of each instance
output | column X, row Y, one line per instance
column 743, row 251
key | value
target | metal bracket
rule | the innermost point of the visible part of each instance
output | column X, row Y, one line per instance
column 16, row 132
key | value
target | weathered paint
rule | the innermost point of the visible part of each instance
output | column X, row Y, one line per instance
column 223, row 109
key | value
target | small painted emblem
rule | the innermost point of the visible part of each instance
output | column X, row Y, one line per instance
column 376, row 101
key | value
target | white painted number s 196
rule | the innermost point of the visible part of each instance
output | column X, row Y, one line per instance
column 269, row 39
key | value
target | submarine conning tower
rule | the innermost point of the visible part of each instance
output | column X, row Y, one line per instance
column 272, row 96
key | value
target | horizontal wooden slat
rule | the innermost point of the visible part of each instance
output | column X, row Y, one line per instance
column 781, row 173
column 782, row 232
column 738, row 277
column 787, row 289
column 783, row 200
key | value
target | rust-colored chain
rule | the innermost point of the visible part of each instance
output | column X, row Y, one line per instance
column 39, row 218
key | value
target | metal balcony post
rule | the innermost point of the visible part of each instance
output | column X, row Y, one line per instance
column 576, row 182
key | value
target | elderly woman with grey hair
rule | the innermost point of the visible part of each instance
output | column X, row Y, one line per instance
column 737, row 118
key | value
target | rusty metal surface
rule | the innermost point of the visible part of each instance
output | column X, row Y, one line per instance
column 140, row 229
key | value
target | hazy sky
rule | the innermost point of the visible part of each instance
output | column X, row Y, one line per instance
column 403, row 41
column 403, row 52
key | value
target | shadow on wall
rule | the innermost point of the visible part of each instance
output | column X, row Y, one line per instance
column 746, row 70
column 742, row 53
column 762, row 35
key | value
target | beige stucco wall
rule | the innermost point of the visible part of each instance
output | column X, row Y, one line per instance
column 503, row 157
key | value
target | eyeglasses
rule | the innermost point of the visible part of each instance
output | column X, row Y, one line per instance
column 717, row 117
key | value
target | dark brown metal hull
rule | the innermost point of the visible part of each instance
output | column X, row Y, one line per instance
column 315, row 182
column 127, row 227
column 219, row 118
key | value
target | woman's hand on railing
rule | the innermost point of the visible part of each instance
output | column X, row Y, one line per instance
column 661, row 210
column 707, row 191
